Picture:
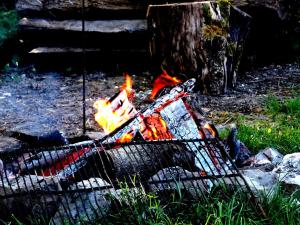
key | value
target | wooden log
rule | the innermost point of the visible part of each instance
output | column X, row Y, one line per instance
column 194, row 39
column 130, row 162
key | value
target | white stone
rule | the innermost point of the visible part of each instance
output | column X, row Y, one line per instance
column 289, row 171
column 267, row 156
column 260, row 181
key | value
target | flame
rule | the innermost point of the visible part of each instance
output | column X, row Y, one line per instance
column 110, row 113
column 162, row 81
column 126, row 138
column 210, row 129
column 127, row 86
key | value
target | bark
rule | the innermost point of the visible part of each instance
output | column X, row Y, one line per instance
column 195, row 39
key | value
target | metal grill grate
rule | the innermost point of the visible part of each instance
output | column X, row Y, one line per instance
column 87, row 182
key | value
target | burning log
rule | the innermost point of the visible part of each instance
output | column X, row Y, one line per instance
column 196, row 39
column 41, row 160
column 133, row 125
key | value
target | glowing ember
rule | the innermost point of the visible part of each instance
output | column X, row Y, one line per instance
column 113, row 113
column 155, row 128
column 162, row 81
column 126, row 138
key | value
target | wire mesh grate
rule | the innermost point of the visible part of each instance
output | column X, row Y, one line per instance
column 87, row 182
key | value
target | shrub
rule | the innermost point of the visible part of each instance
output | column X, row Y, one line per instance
column 8, row 25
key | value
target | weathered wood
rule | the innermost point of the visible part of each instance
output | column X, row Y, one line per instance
column 100, row 26
column 100, row 34
column 125, row 8
column 195, row 39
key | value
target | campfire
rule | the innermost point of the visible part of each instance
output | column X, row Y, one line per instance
column 167, row 146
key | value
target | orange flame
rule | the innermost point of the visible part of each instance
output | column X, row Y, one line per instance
column 162, row 81
column 127, row 86
column 110, row 114
column 126, row 138
column 210, row 129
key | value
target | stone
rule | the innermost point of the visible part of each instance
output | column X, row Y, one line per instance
column 289, row 171
column 260, row 181
column 24, row 204
column 30, row 5
column 83, row 206
column 9, row 144
column 12, row 185
column 267, row 156
column 195, row 188
column 90, row 183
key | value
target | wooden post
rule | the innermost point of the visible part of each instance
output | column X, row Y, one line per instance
column 194, row 39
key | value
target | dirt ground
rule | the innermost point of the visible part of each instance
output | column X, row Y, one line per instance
column 36, row 103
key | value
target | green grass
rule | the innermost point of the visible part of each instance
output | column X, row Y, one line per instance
column 8, row 25
column 235, row 209
column 278, row 128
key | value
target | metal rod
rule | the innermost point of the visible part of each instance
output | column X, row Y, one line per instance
column 83, row 68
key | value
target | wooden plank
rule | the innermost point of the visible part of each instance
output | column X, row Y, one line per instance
column 100, row 26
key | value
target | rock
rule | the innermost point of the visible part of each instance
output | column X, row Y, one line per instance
column 28, row 183
column 90, row 183
column 29, row 5
column 24, row 204
column 289, row 171
column 83, row 207
column 267, row 156
column 9, row 144
column 170, row 179
column 260, row 181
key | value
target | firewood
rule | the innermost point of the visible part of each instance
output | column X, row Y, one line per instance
column 41, row 160
column 129, row 162
column 177, row 92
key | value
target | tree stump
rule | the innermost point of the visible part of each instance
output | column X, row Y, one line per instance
column 195, row 39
